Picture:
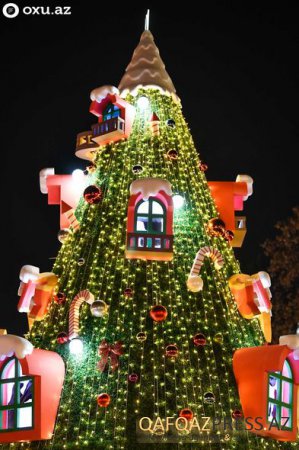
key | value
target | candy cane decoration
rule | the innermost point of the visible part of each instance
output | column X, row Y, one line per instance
column 73, row 221
column 155, row 125
column 74, row 314
column 195, row 282
column 261, row 283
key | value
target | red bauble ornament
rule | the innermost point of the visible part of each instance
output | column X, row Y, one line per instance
column 158, row 313
column 199, row 339
column 103, row 400
column 62, row 338
column 59, row 298
column 172, row 154
column 91, row 168
column 216, row 227
column 229, row 235
column 237, row 414
column 186, row 413
column 171, row 351
column 128, row 292
column 203, row 167
column 133, row 377
column 92, row 195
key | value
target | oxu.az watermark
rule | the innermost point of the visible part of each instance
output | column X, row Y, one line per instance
column 11, row 10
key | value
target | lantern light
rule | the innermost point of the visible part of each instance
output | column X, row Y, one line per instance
column 143, row 102
column 178, row 201
column 78, row 175
column 76, row 346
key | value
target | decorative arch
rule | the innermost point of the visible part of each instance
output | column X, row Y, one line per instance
column 262, row 373
column 281, row 396
column 32, row 387
column 150, row 228
column 16, row 397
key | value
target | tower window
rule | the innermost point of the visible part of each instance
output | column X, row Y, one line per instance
column 111, row 111
column 280, row 397
column 16, row 397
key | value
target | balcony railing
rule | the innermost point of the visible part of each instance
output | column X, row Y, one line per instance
column 109, row 126
column 150, row 242
column 84, row 140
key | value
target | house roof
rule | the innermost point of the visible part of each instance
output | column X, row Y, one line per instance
column 254, row 361
column 251, row 367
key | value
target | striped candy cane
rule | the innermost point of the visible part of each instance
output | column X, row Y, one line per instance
column 194, row 282
column 74, row 314
column 73, row 221
column 155, row 125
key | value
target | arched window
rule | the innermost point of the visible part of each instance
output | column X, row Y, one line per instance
column 150, row 220
column 150, row 216
column 16, row 397
column 110, row 112
column 280, row 397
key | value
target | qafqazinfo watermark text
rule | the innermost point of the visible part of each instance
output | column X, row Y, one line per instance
column 198, row 429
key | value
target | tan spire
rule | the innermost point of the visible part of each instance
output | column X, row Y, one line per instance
column 146, row 69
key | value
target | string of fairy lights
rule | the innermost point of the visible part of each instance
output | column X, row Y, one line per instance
column 165, row 385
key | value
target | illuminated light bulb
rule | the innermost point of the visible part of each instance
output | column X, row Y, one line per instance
column 143, row 102
column 76, row 346
column 178, row 201
column 78, row 175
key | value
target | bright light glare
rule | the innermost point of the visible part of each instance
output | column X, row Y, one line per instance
column 142, row 102
column 76, row 346
column 178, row 201
column 78, row 175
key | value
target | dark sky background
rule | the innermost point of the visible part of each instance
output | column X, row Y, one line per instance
column 233, row 65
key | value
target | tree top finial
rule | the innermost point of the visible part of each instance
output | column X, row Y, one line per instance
column 146, row 23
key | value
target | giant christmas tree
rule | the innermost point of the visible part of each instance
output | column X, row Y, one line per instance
column 145, row 303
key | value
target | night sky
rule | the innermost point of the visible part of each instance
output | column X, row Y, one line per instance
column 233, row 65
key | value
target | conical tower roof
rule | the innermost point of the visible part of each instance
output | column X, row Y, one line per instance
column 146, row 69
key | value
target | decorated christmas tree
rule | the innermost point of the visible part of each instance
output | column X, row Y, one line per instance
column 164, row 342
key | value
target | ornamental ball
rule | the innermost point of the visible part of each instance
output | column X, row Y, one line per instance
column 172, row 351
column 203, row 167
column 59, row 298
column 218, row 338
column 141, row 336
column 92, row 195
column 128, row 292
column 103, row 400
column 237, row 414
column 137, row 169
column 229, row 235
column 216, row 227
column 170, row 123
column 209, row 398
column 63, row 235
column 199, row 340
column 158, row 313
column 62, row 338
column 186, row 413
column 172, row 154
column 133, row 377
column 99, row 308
column 195, row 283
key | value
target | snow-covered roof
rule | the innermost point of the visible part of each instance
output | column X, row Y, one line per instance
column 101, row 92
column 149, row 187
column 146, row 69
